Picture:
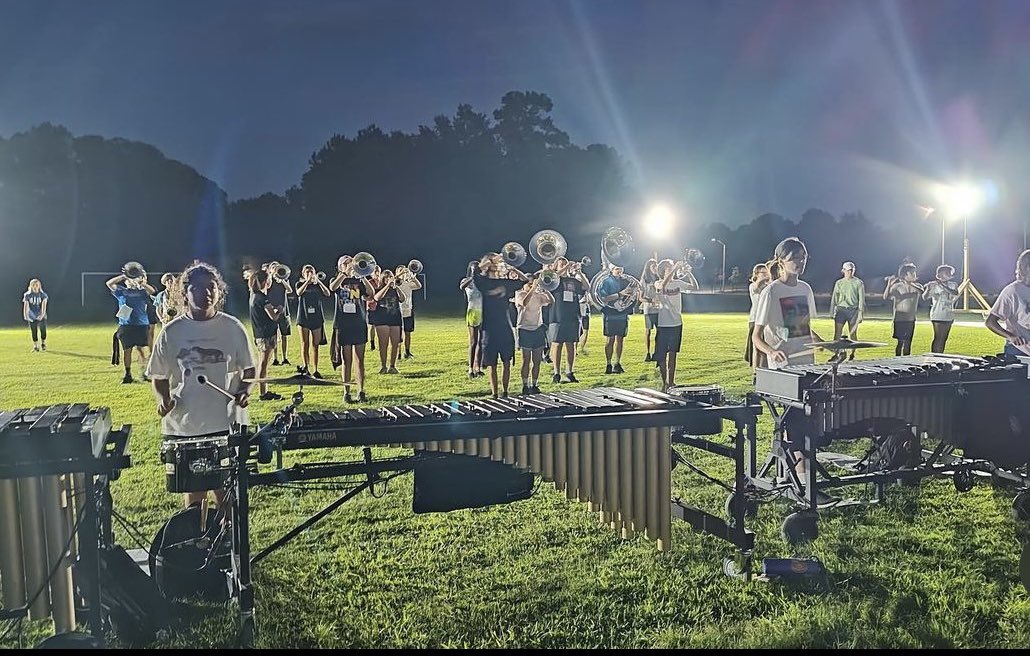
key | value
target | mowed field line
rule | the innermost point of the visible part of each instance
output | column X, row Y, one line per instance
column 928, row 568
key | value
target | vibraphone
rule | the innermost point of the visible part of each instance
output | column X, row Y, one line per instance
column 55, row 465
column 608, row 447
column 974, row 404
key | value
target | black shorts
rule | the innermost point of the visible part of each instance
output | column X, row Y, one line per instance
column 667, row 339
column 152, row 315
column 616, row 325
column 533, row 339
column 904, row 330
column 584, row 322
column 564, row 333
column 408, row 323
column 848, row 315
column 284, row 324
column 494, row 344
column 351, row 334
column 130, row 336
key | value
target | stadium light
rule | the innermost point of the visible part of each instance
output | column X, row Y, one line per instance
column 658, row 222
column 960, row 201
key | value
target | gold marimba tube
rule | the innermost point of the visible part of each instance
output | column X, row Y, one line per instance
column 509, row 450
column 522, row 451
column 561, row 462
column 640, row 470
column 572, row 459
column 626, row 481
column 57, row 537
column 599, row 501
column 535, row 459
column 664, row 500
column 611, row 484
column 12, row 572
column 547, row 456
column 651, row 455
column 34, row 554
column 586, row 467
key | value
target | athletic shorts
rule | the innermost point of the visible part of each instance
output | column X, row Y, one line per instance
column 474, row 318
column 616, row 325
column 352, row 335
column 266, row 343
column 650, row 321
column 848, row 315
column 904, row 330
column 564, row 333
column 668, row 339
column 284, row 324
column 498, row 344
column 130, row 336
column 535, row 338
column 408, row 323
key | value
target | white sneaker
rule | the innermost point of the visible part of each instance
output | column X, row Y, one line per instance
column 35, row 348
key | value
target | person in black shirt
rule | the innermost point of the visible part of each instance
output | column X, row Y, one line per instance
column 496, row 338
column 565, row 316
column 373, row 307
column 350, row 325
column 278, row 295
column 388, row 300
column 310, row 292
column 264, row 319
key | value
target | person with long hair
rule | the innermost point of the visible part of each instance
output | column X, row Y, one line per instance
column 650, row 303
column 350, row 326
column 531, row 300
column 310, row 318
column 388, row 300
column 584, row 322
column 200, row 342
column 408, row 283
column 133, row 296
column 905, row 292
column 33, row 310
column 942, row 296
column 264, row 319
column 674, row 279
column 279, row 296
column 372, row 307
column 759, row 279
column 473, row 319
column 847, row 304
column 497, row 339
column 565, row 323
column 1012, row 308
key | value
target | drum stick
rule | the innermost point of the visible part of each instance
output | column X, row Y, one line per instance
column 203, row 380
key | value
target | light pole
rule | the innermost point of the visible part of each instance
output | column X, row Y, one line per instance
column 962, row 200
column 723, row 271
column 927, row 211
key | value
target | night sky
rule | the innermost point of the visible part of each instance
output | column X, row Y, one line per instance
column 723, row 109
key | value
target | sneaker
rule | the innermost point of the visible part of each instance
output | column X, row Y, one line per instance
column 383, row 370
column 392, row 370
column 362, row 397
column 286, row 361
column 480, row 373
column 302, row 370
column 127, row 379
column 608, row 368
column 618, row 368
column 372, row 345
column 42, row 347
column 526, row 389
column 534, row 389
column 850, row 357
column 556, row 378
column 648, row 358
column 146, row 378
column 35, row 349
column 472, row 374
column 571, row 378
column 275, row 363
column 317, row 375
column 271, row 396
column 347, row 398
column 547, row 358
column 408, row 355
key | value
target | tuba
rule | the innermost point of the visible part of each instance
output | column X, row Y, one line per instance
column 616, row 249
column 547, row 246
column 364, row 265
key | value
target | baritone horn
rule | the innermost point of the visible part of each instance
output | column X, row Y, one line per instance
column 547, row 246
column 549, row 279
column 364, row 265
column 280, row 272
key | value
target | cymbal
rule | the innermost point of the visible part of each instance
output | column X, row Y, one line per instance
column 844, row 345
column 299, row 380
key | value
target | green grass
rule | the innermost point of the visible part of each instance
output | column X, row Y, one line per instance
column 928, row 568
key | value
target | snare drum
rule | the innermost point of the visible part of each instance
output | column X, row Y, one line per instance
column 196, row 464
column 703, row 395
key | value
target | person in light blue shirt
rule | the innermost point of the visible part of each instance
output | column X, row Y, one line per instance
column 34, row 309
column 133, row 296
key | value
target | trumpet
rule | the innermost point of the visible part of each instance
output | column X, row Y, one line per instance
column 415, row 267
column 321, row 276
column 364, row 265
column 549, row 279
column 279, row 272
column 693, row 258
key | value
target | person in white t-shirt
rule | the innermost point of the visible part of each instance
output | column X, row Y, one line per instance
column 1013, row 309
column 759, row 280
column 649, row 303
column 473, row 318
column 674, row 279
column 203, row 341
column 786, row 307
column 530, row 301
column 407, row 282
column 942, row 296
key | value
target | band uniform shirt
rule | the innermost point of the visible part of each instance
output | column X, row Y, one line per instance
column 612, row 285
column 906, row 300
column 531, row 308
column 786, row 311
column 1013, row 308
column 389, row 305
column 942, row 301
column 566, row 301
column 407, row 307
column 277, row 295
column 670, row 313
column 848, row 294
column 185, row 349
column 136, row 299
column 310, row 311
column 351, row 309
column 495, row 306
column 264, row 326
column 35, row 301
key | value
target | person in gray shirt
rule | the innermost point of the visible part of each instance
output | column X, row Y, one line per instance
column 905, row 292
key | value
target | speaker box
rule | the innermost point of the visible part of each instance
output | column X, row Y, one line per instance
column 446, row 482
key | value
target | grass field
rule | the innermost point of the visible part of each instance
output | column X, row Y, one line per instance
column 929, row 568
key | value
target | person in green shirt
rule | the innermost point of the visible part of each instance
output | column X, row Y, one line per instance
column 847, row 304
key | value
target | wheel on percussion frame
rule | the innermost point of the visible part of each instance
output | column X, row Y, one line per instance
column 1021, row 506
column 1024, row 566
column 800, row 527
column 963, row 480
column 735, row 499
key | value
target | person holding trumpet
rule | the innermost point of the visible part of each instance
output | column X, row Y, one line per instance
column 674, row 279
column 311, row 290
column 278, row 295
column 530, row 301
column 350, row 325
column 905, row 292
column 496, row 338
column 408, row 283
column 388, row 299
column 565, row 323
column 264, row 319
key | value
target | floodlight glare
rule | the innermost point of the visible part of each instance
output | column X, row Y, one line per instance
column 658, row 222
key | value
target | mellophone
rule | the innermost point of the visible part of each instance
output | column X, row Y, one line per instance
column 608, row 447
column 55, row 465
